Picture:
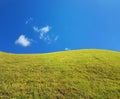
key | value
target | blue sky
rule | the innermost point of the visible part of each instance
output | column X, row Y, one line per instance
column 40, row 26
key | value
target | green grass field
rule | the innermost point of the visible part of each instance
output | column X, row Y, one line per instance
column 79, row 74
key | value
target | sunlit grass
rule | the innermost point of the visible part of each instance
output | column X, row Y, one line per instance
column 80, row 74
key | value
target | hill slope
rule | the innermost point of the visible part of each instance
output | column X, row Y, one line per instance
column 80, row 74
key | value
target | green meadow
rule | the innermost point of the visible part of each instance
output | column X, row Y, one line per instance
column 77, row 74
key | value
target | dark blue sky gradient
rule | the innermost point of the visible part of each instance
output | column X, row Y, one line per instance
column 80, row 24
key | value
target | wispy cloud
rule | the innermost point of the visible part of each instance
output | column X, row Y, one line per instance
column 45, row 29
column 67, row 49
column 23, row 41
column 36, row 29
column 28, row 20
column 42, row 30
column 44, row 33
column 56, row 38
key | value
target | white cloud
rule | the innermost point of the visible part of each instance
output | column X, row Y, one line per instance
column 67, row 49
column 23, row 41
column 30, row 19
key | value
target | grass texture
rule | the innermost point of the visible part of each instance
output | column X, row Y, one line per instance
column 77, row 74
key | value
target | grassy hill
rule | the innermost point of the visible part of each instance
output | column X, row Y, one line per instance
column 79, row 74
